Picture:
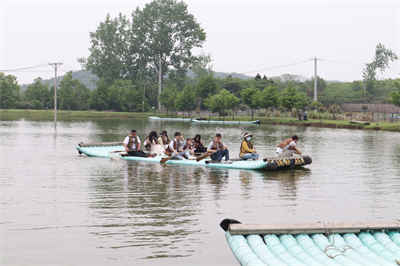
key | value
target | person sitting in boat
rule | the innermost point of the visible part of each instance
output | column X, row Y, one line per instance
column 247, row 150
column 217, row 149
column 198, row 145
column 288, row 147
column 152, row 145
column 132, row 145
column 188, row 148
column 164, row 139
column 175, row 147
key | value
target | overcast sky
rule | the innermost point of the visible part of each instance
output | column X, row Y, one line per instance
column 244, row 36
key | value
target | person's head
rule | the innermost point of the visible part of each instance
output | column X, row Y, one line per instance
column 247, row 136
column 218, row 137
column 178, row 135
column 133, row 133
column 189, row 140
column 295, row 138
column 164, row 133
column 153, row 135
column 197, row 138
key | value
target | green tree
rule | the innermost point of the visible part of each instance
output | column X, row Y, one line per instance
column 37, row 95
column 9, row 91
column 395, row 95
column 309, row 86
column 113, row 52
column 167, row 33
column 249, row 97
column 269, row 97
column 124, row 96
column 99, row 96
column 290, row 98
column 233, row 85
column 72, row 95
column 222, row 102
column 206, row 86
column 186, row 99
column 168, row 98
column 383, row 57
column 154, row 40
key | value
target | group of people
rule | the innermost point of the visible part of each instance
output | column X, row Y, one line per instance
column 192, row 148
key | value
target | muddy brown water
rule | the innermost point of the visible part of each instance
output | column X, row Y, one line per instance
column 59, row 208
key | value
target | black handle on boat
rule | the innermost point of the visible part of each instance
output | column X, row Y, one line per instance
column 226, row 222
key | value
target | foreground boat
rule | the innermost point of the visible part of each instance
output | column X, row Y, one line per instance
column 220, row 122
column 115, row 149
column 177, row 119
column 314, row 244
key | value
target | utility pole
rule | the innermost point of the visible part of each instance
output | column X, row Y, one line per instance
column 55, row 65
column 159, row 83
column 315, row 80
column 144, row 94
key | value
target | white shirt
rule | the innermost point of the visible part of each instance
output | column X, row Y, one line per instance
column 292, row 144
column 126, row 142
column 212, row 144
column 179, row 145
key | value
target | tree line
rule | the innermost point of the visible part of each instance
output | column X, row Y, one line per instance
column 145, row 61
column 202, row 91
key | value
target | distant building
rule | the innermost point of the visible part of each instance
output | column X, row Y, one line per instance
column 377, row 111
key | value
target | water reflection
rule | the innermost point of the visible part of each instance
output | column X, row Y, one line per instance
column 151, row 207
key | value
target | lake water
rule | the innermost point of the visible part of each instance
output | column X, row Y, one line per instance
column 59, row 208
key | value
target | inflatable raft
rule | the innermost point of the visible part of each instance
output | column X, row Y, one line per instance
column 315, row 244
column 115, row 149
column 219, row 122
column 176, row 119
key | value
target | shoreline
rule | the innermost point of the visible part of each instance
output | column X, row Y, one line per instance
column 48, row 115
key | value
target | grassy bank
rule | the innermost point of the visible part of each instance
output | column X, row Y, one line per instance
column 15, row 114
column 387, row 126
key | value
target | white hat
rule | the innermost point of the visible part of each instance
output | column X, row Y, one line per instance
column 247, row 135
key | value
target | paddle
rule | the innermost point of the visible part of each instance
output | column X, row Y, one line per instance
column 113, row 157
column 164, row 160
column 204, row 156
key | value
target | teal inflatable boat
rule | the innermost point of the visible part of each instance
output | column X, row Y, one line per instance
column 115, row 149
column 220, row 122
column 171, row 119
column 314, row 245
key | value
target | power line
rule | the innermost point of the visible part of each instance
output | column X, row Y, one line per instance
column 277, row 66
column 22, row 68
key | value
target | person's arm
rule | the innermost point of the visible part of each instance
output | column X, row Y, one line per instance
column 209, row 148
column 293, row 146
column 297, row 150
column 247, row 149
column 138, row 144
column 171, row 146
column 125, row 144
column 224, row 146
